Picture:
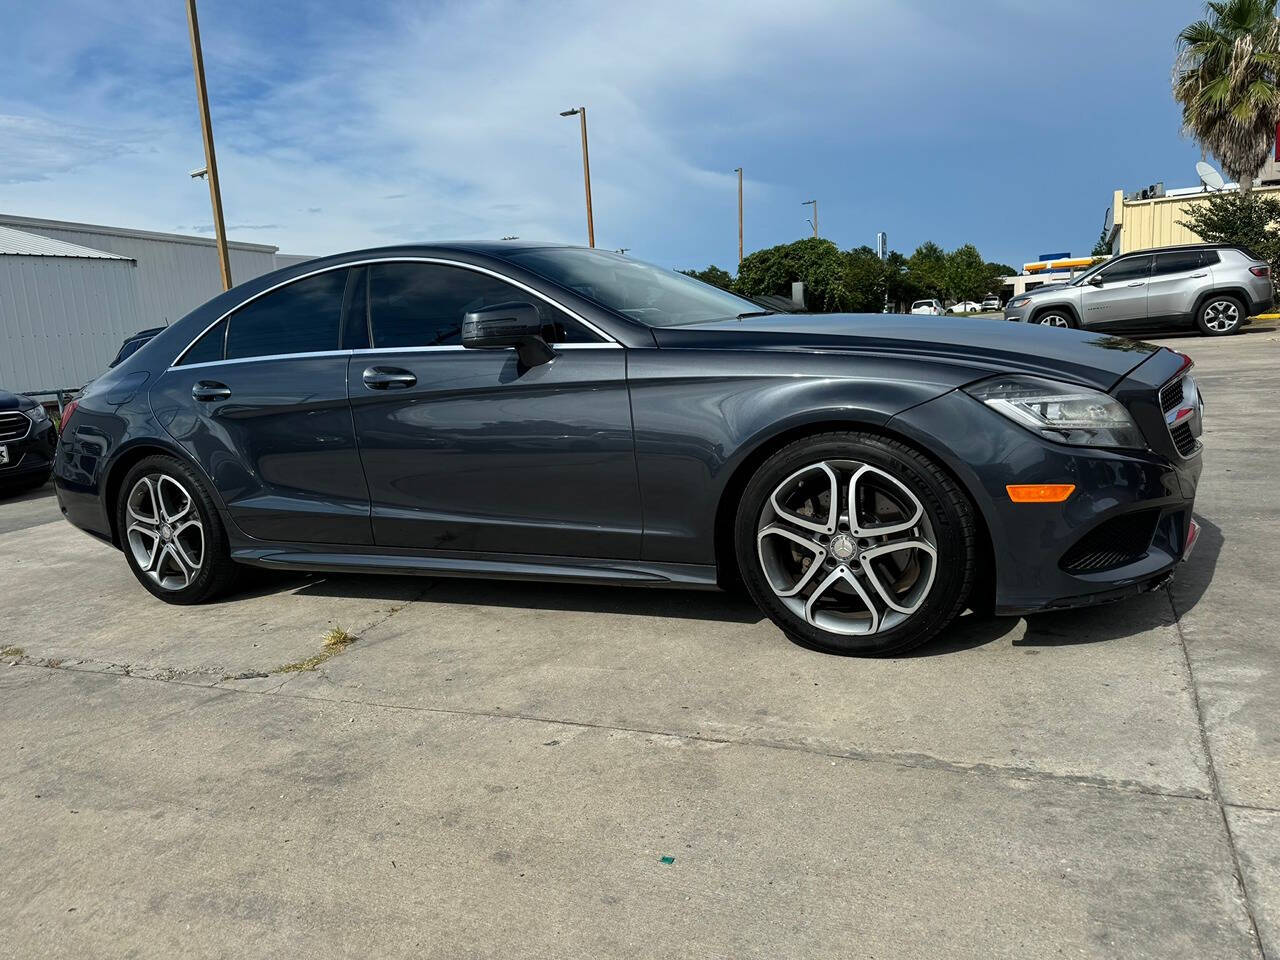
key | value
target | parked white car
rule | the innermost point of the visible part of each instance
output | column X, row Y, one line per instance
column 991, row 302
column 965, row 306
column 929, row 307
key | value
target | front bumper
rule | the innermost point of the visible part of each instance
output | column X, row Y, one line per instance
column 32, row 456
column 1125, row 528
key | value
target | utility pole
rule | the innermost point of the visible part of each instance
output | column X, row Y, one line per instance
column 814, row 221
column 738, row 170
column 210, row 160
column 581, row 113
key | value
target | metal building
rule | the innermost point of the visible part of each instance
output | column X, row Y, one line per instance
column 71, row 293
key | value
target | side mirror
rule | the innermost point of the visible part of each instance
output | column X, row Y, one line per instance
column 1096, row 280
column 503, row 325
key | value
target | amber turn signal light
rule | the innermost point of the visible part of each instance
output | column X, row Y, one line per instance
column 1040, row 492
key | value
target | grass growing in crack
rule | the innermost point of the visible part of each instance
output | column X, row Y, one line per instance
column 335, row 641
column 13, row 652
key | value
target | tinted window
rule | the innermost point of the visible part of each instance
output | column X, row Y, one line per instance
column 422, row 305
column 653, row 295
column 1134, row 268
column 1210, row 257
column 208, row 347
column 355, row 313
column 300, row 318
column 1180, row 262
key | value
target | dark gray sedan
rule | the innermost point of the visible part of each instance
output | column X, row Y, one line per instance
column 538, row 411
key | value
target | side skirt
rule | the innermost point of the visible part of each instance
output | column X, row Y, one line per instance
column 639, row 573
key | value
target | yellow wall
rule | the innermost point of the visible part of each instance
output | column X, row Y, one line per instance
column 1154, row 223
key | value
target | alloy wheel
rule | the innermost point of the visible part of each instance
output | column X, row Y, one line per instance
column 847, row 547
column 1221, row 316
column 164, row 531
column 1054, row 320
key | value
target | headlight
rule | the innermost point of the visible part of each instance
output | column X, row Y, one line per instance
column 1020, row 302
column 1061, row 412
column 38, row 413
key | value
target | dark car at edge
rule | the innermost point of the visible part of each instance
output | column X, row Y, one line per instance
column 27, row 443
column 534, row 411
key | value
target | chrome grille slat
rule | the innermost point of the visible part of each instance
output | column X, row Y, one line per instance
column 13, row 426
column 1171, row 395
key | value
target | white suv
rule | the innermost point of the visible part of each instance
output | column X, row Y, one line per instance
column 930, row 307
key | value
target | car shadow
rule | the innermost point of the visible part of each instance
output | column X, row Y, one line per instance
column 37, row 493
column 1098, row 624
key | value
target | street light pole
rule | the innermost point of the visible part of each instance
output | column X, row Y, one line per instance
column 814, row 221
column 210, row 160
column 738, row 171
column 581, row 113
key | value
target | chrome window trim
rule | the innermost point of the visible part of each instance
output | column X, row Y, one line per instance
column 374, row 260
column 268, row 356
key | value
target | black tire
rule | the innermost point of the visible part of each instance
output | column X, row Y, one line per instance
column 1050, row 316
column 1221, row 315
column 216, row 571
column 949, row 514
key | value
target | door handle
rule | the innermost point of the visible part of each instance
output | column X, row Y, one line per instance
column 207, row 390
column 1138, row 283
column 1197, row 276
column 388, row 378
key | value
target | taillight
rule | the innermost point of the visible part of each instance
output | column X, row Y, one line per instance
column 1260, row 271
column 67, row 411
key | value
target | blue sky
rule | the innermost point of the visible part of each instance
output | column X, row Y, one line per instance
column 1006, row 123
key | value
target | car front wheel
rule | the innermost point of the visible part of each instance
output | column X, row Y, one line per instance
column 1055, row 318
column 172, row 538
column 855, row 543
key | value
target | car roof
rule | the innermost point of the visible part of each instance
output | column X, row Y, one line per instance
column 1180, row 247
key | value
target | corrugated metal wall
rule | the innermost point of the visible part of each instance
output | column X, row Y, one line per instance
column 174, row 274
column 62, row 319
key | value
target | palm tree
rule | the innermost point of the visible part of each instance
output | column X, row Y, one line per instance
column 1227, row 78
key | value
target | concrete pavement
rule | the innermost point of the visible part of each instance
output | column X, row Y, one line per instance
column 497, row 769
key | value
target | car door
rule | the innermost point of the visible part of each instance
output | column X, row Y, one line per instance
column 1177, row 279
column 466, row 450
column 1118, row 298
column 260, row 402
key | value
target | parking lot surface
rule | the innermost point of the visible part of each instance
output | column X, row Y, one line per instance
column 496, row 769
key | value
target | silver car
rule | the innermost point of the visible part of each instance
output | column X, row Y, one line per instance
column 1215, row 287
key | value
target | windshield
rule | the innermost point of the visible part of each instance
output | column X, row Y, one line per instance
column 650, row 294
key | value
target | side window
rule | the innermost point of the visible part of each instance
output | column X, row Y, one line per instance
column 1133, row 268
column 422, row 305
column 1183, row 261
column 208, row 347
column 300, row 318
column 1210, row 257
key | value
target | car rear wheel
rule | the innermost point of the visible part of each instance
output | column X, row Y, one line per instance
column 857, row 544
column 1220, row 316
column 1055, row 318
column 172, row 538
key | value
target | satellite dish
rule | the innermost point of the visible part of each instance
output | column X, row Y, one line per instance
column 1210, row 177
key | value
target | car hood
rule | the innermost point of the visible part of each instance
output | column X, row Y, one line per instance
column 985, row 346
column 12, row 401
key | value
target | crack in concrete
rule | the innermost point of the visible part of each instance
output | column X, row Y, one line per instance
column 1214, row 785
column 901, row 760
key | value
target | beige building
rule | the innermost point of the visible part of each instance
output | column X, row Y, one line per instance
column 1144, row 224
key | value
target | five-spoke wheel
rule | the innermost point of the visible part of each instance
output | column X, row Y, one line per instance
column 1220, row 315
column 170, row 532
column 857, row 543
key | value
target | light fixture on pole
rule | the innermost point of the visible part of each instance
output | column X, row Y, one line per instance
column 738, row 171
column 581, row 113
column 814, row 221
column 210, row 161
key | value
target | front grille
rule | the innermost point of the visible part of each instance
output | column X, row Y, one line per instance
column 1183, row 438
column 1171, row 395
column 1115, row 543
column 13, row 425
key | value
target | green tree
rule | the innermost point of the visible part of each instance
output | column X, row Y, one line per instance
column 713, row 275
column 927, row 270
column 817, row 263
column 866, row 278
column 1227, row 78
column 1248, row 219
column 966, row 274
column 1102, row 248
